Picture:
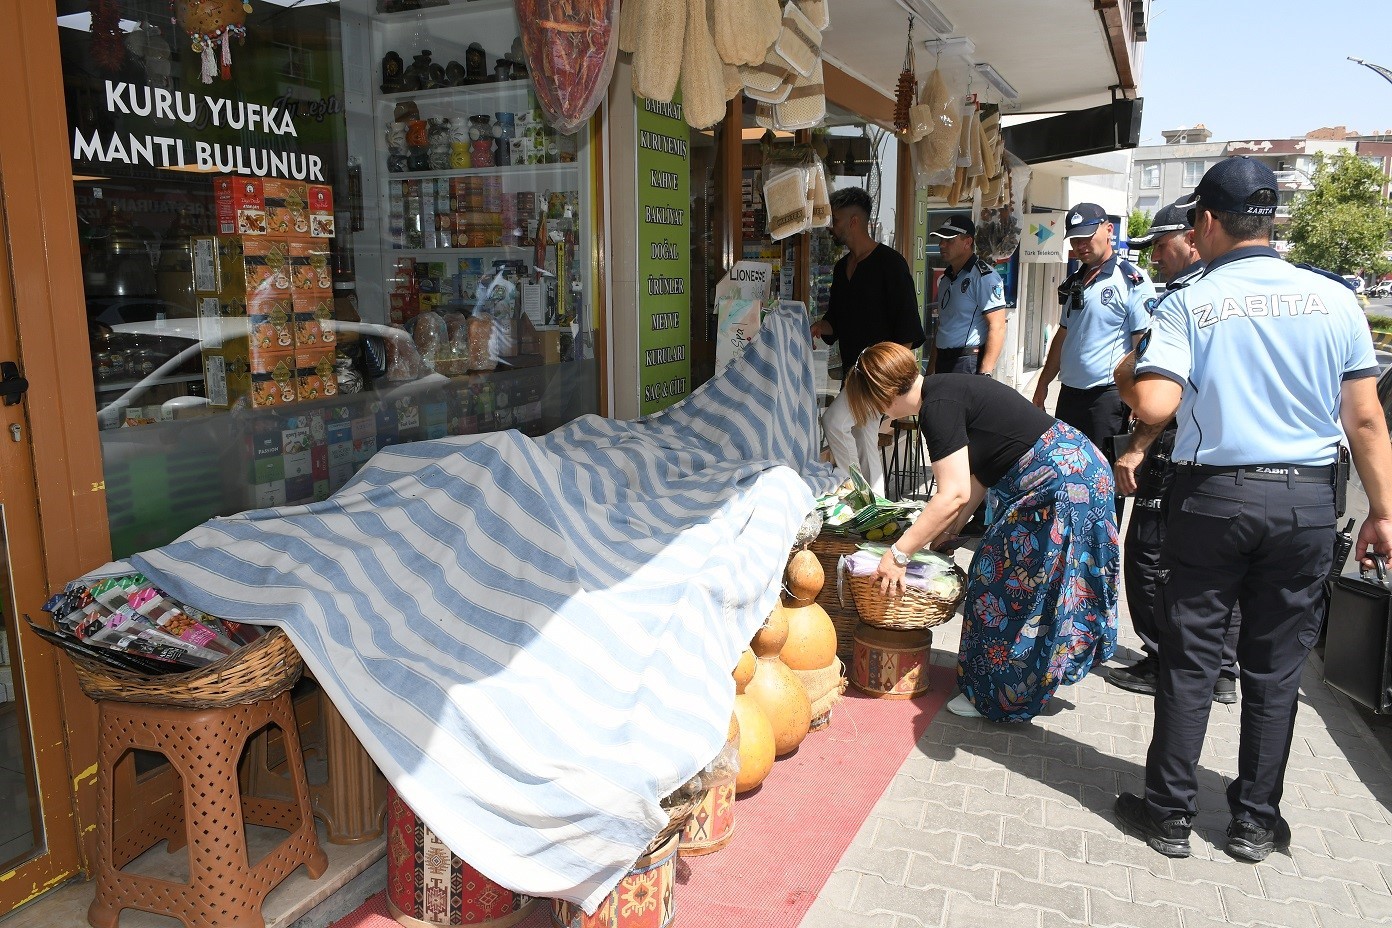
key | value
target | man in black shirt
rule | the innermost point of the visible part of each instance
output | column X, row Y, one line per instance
column 872, row 300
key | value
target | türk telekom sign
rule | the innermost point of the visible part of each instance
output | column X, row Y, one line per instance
column 1042, row 241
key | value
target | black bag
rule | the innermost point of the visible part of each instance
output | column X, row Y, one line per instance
column 1358, row 641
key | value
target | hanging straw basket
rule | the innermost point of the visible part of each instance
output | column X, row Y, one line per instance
column 913, row 609
column 267, row 667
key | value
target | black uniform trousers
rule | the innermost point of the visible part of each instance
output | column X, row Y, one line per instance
column 1268, row 545
column 956, row 360
column 1145, row 536
column 1098, row 413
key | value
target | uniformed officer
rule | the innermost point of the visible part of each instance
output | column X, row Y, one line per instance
column 971, row 304
column 1106, row 306
column 1264, row 361
column 1146, row 470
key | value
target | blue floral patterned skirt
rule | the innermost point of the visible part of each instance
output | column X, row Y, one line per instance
column 1042, row 589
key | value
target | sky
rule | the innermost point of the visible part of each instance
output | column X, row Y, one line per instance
column 1265, row 68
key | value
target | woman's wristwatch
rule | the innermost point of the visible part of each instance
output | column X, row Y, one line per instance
column 900, row 558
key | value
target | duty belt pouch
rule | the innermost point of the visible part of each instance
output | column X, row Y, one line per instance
column 1341, row 479
column 1358, row 639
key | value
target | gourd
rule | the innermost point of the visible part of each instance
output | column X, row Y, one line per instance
column 777, row 689
column 756, row 748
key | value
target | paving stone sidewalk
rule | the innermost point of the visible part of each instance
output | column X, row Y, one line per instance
column 1002, row 826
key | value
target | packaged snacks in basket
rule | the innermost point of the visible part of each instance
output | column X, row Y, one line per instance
column 129, row 615
column 927, row 571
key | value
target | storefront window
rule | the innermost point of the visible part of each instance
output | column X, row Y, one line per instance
column 313, row 230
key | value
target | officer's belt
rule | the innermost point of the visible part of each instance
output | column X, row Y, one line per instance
column 1276, row 473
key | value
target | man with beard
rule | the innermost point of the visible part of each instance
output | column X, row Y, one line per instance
column 872, row 300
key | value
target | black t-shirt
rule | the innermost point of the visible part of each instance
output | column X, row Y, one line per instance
column 876, row 304
column 994, row 423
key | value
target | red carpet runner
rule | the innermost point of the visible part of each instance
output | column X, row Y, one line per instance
column 792, row 830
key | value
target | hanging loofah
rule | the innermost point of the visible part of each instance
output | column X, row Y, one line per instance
column 702, row 72
column 657, row 60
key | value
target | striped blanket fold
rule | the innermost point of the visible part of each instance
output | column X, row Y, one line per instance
column 533, row 638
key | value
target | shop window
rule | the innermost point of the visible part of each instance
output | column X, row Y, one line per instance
column 1150, row 176
column 1193, row 173
column 358, row 231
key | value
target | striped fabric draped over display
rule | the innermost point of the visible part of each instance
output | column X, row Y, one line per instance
column 533, row 638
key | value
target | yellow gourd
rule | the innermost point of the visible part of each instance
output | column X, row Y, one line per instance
column 777, row 689
column 756, row 749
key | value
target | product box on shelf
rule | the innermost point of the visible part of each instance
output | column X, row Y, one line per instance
column 239, row 205
column 238, row 265
column 287, row 206
column 270, row 321
column 237, row 371
column 321, row 211
column 314, row 313
column 315, row 373
column 310, row 270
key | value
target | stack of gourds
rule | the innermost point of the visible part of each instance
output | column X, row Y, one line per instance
column 714, row 49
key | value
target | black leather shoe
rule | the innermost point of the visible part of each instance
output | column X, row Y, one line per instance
column 1139, row 677
column 1225, row 691
column 1251, row 842
column 1170, row 837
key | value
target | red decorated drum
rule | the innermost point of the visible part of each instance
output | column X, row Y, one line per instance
column 889, row 663
column 712, row 824
column 427, row 885
column 643, row 898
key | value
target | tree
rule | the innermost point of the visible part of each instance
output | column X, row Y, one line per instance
column 1343, row 224
column 1137, row 223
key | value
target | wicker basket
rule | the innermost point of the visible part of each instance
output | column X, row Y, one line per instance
column 675, row 823
column 913, row 609
column 829, row 549
column 265, row 668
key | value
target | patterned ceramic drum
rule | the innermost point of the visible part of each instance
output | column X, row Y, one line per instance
column 890, row 663
column 643, row 898
column 429, row 886
column 712, row 825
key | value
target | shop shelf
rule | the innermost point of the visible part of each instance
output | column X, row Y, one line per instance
column 539, row 169
column 462, row 93
column 147, row 382
column 442, row 12
column 511, row 250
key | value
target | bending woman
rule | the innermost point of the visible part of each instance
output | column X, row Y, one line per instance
column 1042, row 589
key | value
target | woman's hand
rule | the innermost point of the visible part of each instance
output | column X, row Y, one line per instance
column 891, row 576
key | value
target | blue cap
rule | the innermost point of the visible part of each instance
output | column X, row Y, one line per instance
column 1231, row 183
column 955, row 226
column 1083, row 220
column 1171, row 218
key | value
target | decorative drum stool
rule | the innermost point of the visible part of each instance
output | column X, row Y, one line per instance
column 712, row 825
column 889, row 663
column 643, row 898
column 427, row 885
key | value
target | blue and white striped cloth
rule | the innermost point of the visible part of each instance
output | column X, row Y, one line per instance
column 533, row 638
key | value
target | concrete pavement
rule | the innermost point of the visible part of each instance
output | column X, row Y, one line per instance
column 1012, row 825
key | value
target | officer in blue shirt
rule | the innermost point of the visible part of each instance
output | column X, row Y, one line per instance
column 1106, row 306
column 971, row 303
column 1264, row 362
column 1145, row 468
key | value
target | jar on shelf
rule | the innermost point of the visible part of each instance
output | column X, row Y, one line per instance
column 423, row 74
column 481, row 141
column 503, row 128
